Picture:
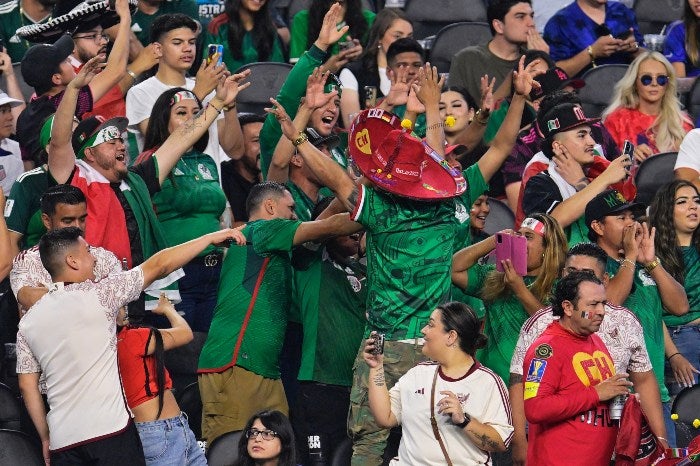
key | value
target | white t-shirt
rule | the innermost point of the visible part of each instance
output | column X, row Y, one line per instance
column 483, row 396
column 70, row 336
column 349, row 81
column 689, row 152
column 11, row 165
column 139, row 104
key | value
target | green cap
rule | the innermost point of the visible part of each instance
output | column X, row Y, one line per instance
column 45, row 133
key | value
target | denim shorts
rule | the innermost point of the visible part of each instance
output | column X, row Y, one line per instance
column 170, row 442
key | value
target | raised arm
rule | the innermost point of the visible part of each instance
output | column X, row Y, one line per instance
column 187, row 134
column 11, row 85
column 474, row 132
column 118, row 57
column 502, row 144
column 467, row 257
column 318, row 230
column 62, row 157
column 5, row 242
column 378, row 392
column 427, row 89
column 328, row 172
column 178, row 334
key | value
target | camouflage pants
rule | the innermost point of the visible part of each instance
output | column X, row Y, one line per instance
column 368, row 439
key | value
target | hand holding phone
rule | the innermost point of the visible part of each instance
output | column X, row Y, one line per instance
column 513, row 247
column 213, row 49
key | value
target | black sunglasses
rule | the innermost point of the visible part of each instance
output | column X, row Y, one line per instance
column 646, row 79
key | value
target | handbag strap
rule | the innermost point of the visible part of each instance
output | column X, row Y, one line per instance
column 433, row 421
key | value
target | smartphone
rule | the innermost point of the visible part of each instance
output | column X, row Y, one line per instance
column 378, row 343
column 513, row 248
column 628, row 149
column 213, row 49
column 370, row 96
column 345, row 45
column 624, row 35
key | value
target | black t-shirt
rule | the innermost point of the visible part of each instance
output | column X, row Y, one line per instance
column 236, row 189
column 541, row 194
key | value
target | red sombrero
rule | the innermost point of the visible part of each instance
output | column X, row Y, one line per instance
column 399, row 163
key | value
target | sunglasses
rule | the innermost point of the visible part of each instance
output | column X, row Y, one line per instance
column 646, row 79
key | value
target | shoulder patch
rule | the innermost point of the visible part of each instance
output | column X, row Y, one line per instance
column 544, row 351
column 536, row 370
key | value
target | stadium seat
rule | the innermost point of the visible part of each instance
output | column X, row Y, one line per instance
column 600, row 82
column 223, row 451
column 652, row 174
column 16, row 448
column 500, row 217
column 266, row 80
column 693, row 101
column 653, row 15
column 342, row 454
column 190, row 403
column 182, row 362
column 453, row 38
column 10, row 409
column 429, row 16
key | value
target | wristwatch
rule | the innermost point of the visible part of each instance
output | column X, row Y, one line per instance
column 467, row 420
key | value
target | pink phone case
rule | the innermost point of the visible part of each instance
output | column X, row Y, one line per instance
column 503, row 247
column 513, row 248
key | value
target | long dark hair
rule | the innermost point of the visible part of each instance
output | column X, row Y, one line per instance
column 462, row 319
column 264, row 32
column 278, row 422
column 666, row 239
column 353, row 18
column 692, row 34
column 157, row 130
column 385, row 18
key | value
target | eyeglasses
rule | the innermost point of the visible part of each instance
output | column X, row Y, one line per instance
column 646, row 79
column 266, row 434
column 95, row 37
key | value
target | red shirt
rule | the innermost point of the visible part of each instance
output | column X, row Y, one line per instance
column 133, row 364
column 568, row 423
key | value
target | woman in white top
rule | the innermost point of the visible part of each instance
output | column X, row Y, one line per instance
column 468, row 402
column 370, row 70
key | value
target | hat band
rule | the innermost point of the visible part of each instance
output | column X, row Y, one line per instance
column 534, row 225
column 182, row 95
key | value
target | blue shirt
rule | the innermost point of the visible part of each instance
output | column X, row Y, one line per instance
column 570, row 30
column 674, row 48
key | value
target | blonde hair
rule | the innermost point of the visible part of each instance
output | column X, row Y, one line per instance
column 555, row 247
column 668, row 126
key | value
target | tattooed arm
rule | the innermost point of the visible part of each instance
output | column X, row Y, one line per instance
column 378, row 392
column 482, row 435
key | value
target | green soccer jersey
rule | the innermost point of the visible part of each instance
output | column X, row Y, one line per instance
column 332, row 300
column 23, row 207
column 261, row 274
column 691, row 259
column 141, row 22
column 303, row 204
column 504, row 318
column 190, row 200
column 12, row 17
column 644, row 300
column 250, row 53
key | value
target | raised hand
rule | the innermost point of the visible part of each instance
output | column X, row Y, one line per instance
column 373, row 360
column 164, row 305
column 429, row 86
column 618, row 169
column 315, row 97
column 523, row 79
column 228, row 236
column 487, row 102
column 330, row 34
column 88, row 71
column 286, row 123
column 209, row 75
column 566, row 166
column 227, row 90
column 647, row 251
column 398, row 92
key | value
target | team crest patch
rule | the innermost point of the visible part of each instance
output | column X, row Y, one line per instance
column 536, row 370
column 354, row 283
column 543, row 351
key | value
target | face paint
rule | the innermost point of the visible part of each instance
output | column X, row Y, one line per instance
column 586, row 315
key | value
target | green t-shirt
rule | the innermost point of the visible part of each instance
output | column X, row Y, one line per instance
column 190, row 200
column 498, row 115
column 332, row 299
column 303, row 204
column 691, row 259
column 141, row 22
column 12, row 18
column 250, row 53
column 644, row 300
column 504, row 318
column 300, row 33
column 263, row 335
column 23, row 207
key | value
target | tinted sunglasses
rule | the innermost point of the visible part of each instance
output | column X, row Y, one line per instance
column 646, row 79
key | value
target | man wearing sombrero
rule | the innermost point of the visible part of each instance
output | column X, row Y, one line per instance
column 408, row 210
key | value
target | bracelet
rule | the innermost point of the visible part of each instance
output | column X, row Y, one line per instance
column 580, row 184
column 467, row 420
column 674, row 354
column 590, row 54
column 652, row 265
column 482, row 116
column 228, row 108
column 132, row 74
column 218, row 110
column 435, row 126
column 302, row 138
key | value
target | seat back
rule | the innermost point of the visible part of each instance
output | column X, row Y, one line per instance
column 429, row 16
column 266, row 79
column 453, row 38
column 600, row 83
column 342, row 453
column 190, row 403
column 223, row 451
column 500, row 217
column 652, row 174
column 687, row 407
column 182, row 362
column 10, row 409
column 693, row 102
column 653, row 15
column 16, row 448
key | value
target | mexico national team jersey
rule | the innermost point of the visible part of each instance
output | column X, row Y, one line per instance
column 691, row 260
column 260, row 273
column 568, row 423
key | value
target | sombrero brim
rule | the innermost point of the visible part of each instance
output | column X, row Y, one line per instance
column 93, row 15
column 438, row 179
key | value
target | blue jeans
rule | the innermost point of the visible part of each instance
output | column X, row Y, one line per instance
column 170, row 442
column 668, row 422
column 687, row 340
column 198, row 290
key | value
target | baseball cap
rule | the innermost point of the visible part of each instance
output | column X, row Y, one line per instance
column 94, row 131
column 6, row 99
column 609, row 202
column 563, row 117
column 41, row 61
column 553, row 80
